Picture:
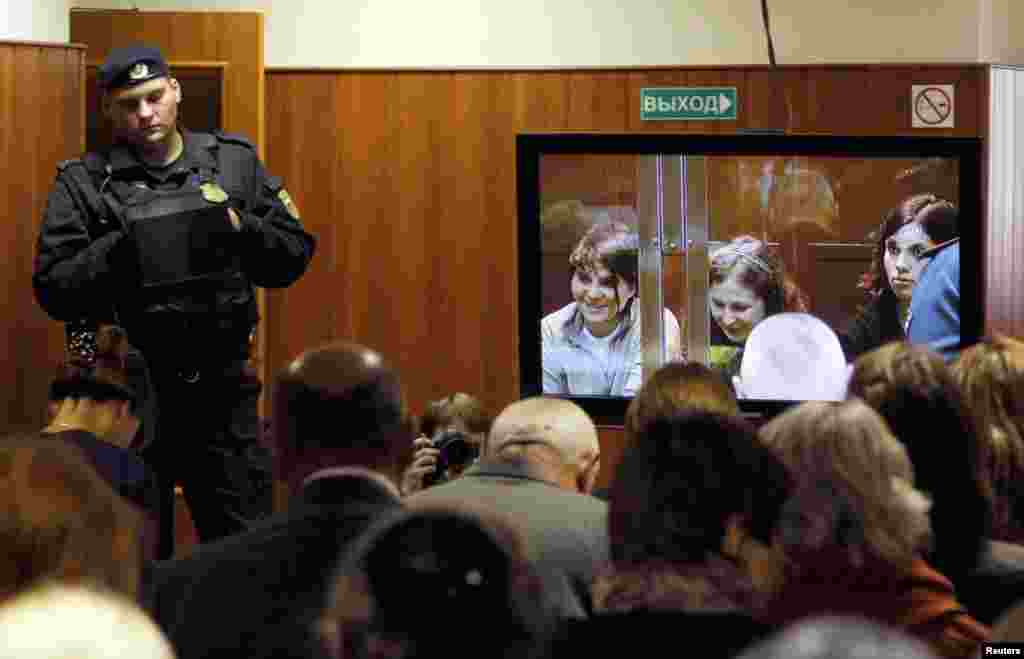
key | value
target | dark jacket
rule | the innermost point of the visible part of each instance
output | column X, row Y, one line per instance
column 80, row 270
column 996, row 583
column 565, row 533
column 877, row 323
column 258, row 594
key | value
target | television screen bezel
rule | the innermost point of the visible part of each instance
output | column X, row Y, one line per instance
column 531, row 147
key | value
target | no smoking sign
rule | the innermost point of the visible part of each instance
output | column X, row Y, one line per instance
column 932, row 106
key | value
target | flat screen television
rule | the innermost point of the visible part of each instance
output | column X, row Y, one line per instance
column 615, row 228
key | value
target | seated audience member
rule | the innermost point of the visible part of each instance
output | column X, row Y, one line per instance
column 593, row 345
column 748, row 283
column 792, row 356
column 538, row 467
column 455, row 425
column 55, row 621
column 897, row 261
column 855, row 531
column 692, row 513
column 917, row 395
column 95, row 408
column 991, row 377
column 435, row 583
column 839, row 638
column 934, row 318
column 341, row 434
column 677, row 387
column 674, row 388
column 61, row 521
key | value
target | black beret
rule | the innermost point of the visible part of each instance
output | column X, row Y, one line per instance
column 130, row 66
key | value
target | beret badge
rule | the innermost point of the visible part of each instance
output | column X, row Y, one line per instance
column 139, row 71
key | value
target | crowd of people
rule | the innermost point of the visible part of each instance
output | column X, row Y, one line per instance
column 888, row 518
column 881, row 519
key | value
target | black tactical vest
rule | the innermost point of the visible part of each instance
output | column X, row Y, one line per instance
column 181, row 285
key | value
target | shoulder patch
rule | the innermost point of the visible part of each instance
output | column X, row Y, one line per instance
column 234, row 138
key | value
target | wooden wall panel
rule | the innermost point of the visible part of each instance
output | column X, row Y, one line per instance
column 42, row 122
column 408, row 180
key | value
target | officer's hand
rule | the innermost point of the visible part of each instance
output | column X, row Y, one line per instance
column 235, row 221
column 424, row 462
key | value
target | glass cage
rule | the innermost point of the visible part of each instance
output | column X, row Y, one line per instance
column 698, row 239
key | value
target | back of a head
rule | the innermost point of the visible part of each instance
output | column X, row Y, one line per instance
column 991, row 377
column 341, row 397
column 940, row 220
column 555, row 423
column 62, row 521
column 854, row 496
column 839, row 638
column 679, row 482
column 469, row 588
column 915, row 392
column 56, row 621
column 793, row 356
column 677, row 387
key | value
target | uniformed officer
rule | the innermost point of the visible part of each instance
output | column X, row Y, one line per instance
column 166, row 233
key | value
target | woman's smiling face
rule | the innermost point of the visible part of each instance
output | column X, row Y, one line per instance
column 736, row 307
column 599, row 296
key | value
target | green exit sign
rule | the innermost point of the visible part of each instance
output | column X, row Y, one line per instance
column 687, row 103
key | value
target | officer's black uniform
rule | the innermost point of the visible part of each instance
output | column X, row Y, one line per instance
column 153, row 249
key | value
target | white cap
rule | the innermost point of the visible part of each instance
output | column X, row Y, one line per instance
column 793, row 356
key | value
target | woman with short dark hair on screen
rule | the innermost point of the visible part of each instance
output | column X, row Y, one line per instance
column 593, row 345
column 896, row 265
column 747, row 283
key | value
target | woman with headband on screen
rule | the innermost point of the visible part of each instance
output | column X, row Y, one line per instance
column 593, row 345
column 747, row 284
column 896, row 267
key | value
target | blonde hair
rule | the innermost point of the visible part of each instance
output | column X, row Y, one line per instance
column 60, row 520
column 991, row 377
column 855, row 484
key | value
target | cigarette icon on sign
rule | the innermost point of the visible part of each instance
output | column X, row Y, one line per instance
column 933, row 106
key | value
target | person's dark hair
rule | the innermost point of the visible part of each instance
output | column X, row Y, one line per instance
column 616, row 246
column 678, row 387
column 96, row 367
column 60, row 520
column 917, row 395
column 458, row 406
column 613, row 244
column 940, row 220
column 461, row 568
column 339, row 397
column 679, row 482
column 874, row 281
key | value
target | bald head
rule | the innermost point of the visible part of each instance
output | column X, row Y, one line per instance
column 553, row 424
column 339, row 397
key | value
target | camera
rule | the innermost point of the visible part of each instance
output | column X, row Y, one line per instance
column 455, row 449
